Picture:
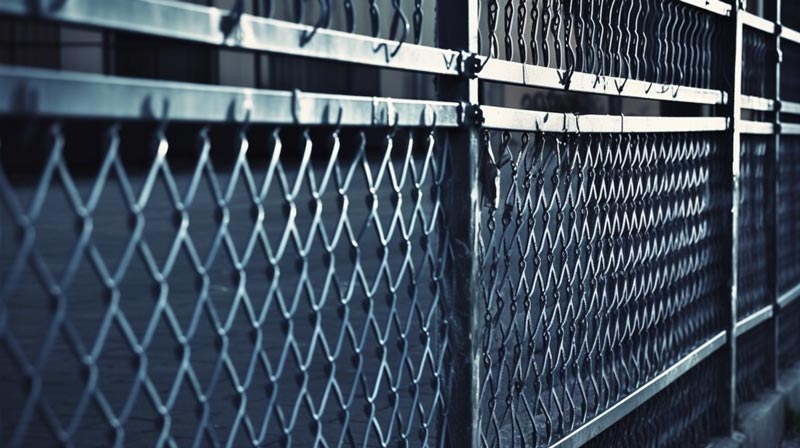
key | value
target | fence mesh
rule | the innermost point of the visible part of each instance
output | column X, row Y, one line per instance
column 661, row 41
column 259, row 286
column 789, row 214
column 602, row 264
column 790, row 71
column 754, row 359
column 697, row 401
column 757, row 59
column 753, row 290
column 789, row 336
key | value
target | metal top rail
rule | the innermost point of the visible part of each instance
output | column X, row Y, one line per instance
column 536, row 76
column 712, row 6
column 757, row 23
column 79, row 95
column 204, row 24
column 519, row 120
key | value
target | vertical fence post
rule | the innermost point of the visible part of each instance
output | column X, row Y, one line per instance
column 734, row 61
column 457, row 28
column 774, row 189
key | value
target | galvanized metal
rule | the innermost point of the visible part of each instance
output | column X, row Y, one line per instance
column 753, row 320
column 758, row 23
column 26, row 91
column 551, row 78
column 520, row 299
column 758, row 103
column 527, row 120
column 640, row 396
column 196, row 23
column 756, row 127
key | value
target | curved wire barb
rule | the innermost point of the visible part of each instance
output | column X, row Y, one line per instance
column 665, row 42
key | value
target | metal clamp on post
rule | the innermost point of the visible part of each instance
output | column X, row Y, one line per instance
column 383, row 112
column 469, row 64
column 470, row 115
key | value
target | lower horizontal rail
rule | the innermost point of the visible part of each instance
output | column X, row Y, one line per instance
column 790, row 107
column 630, row 403
column 753, row 320
column 550, row 78
column 526, row 120
column 26, row 91
column 790, row 129
column 788, row 297
column 756, row 127
column 757, row 103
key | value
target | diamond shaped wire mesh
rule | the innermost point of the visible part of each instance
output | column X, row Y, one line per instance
column 790, row 73
column 756, row 60
column 788, row 203
column 789, row 336
column 754, row 363
column 651, row 40
column 696, row 402
column 603, row 264
column 222, row 285
column 753, row 293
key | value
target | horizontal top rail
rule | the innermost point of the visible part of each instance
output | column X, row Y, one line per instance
column 790, row 128
column 712, row 6
column 536, row 76
column 753, row 320
column 757, row 103
column 789, row 107
column 788, row 297
column 757, row 23
column 790, row 34
column 81, row 95
column 630, row 403
column 203, row 24
column 527, row 120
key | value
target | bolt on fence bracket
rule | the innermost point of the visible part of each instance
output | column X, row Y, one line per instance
column 470, row 115
column 469, row 64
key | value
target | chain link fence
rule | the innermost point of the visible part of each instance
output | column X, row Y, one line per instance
column 185, row 261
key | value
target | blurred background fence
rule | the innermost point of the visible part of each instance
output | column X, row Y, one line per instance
column 395, row 223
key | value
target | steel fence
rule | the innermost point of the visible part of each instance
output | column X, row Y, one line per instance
column 184, row 263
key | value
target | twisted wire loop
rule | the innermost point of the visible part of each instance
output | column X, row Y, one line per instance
column 388, row 19
column 753, row 363
column 695, row 401
column 603, row 264
column 239, row 286
column 755, row 58
column 788, row 203
column 661, row 41
column 753, row 293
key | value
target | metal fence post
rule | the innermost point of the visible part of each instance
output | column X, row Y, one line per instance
column 734, row 59
column 458, row 30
